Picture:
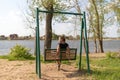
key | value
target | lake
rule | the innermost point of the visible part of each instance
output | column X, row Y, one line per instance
column 6, row 45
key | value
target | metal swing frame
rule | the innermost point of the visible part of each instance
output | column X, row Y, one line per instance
column 83, row 29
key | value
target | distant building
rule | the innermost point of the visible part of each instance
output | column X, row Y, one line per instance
column 13, row 36
column 28, row 37
column 42, row 37
column 2, row 37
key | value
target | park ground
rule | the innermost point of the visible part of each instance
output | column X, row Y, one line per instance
column 25, row 70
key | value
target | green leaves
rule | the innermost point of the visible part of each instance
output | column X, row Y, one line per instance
column 20, row 52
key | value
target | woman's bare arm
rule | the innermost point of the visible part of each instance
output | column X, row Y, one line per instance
column 68, row 50
column 58, row 50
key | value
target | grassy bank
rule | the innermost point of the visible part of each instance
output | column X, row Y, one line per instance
column 11, row 58
column 106, row 69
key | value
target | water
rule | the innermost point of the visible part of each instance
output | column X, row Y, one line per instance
column 6, row 45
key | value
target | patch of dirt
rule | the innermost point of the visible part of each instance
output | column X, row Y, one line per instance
column 96, row 55
column 25, row 70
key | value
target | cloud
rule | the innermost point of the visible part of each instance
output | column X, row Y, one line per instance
column 12, row 23
column 63, row 28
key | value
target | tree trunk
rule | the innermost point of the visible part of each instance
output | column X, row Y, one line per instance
column 101, row 46
column 101, row 30
column 98, row 28
column 48, row 30
column 95, row 44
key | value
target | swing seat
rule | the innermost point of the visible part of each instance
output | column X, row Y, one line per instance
column 50, row 54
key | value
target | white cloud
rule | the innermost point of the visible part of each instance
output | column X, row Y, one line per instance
column 12, row 23
column 64, row 28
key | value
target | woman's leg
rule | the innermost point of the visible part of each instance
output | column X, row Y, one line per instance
column 58, row 60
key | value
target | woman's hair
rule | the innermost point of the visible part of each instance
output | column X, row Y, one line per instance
column 62, row 37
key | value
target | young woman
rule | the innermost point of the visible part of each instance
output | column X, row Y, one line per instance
column 62, row 45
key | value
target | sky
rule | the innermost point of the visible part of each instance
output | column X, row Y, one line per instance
column 11, row 17
column 12, row 21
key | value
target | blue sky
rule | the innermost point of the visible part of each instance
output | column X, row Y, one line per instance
column 11, row 20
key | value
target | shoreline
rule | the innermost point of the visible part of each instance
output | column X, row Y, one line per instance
column 107, row 39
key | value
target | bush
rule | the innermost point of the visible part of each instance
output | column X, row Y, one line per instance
column 20, row 52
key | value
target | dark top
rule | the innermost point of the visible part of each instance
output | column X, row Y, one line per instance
column 63, row 46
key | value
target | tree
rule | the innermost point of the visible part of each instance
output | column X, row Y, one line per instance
column 114, row 7
column 49, row 5
column 92, row 23
column 97, row 11
column 76, row 4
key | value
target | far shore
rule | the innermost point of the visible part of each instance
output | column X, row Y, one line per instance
column 105, row 39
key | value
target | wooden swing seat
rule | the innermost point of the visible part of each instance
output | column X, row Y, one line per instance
column 50, row 54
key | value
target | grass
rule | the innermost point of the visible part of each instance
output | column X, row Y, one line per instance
column 101, row 68
column 106, row 69
column 4, row 56
column 11, row 58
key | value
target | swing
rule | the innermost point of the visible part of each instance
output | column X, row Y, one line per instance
column 50, row 54
column 38, row 56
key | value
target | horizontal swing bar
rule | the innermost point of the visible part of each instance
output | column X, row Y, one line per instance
column 60, row 12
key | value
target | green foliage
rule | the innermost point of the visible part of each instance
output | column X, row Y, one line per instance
column 54, row 36
column 19, row 52
column 42, row 58
column 112, row 55
column 4, row 57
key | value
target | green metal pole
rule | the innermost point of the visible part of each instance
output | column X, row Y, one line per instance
column 86, row 41
column 36, row 42
column 80, row 59
column 38, row 45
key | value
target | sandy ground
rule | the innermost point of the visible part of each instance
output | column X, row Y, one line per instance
column 25, row 70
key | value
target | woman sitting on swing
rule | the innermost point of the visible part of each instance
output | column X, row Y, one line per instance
column 62, row 45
